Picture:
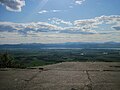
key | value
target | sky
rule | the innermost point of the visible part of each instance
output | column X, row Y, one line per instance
column 59, row 21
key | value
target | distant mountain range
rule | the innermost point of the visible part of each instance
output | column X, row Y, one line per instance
column 63, row 45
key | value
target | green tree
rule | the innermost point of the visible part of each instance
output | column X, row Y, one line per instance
column 6, row 60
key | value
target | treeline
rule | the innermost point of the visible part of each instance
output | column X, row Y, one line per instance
column 8, row 61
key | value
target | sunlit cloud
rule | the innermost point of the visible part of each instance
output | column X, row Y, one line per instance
column 13, row 5
column 95, row 22
column 56, row 25
column 43, row 11
column 59, row 21
column 28, row 28
column 79, row 1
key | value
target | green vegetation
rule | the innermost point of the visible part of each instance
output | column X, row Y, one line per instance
column 32, row 57
column 6, row 60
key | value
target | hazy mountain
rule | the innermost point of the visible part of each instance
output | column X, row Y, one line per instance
column 63, row 45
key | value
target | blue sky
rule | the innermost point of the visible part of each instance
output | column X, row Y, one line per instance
column 59, row 21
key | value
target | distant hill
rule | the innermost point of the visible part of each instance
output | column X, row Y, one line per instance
column 63, row 45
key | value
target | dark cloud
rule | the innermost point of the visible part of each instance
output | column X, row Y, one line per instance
column 6, row 28
column 1, row 36
column 116, row 27
column 76, row 32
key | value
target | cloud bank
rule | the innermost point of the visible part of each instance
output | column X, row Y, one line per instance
column 27, row 28
column 13, row 5
column 87, row 26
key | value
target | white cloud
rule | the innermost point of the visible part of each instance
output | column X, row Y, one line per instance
column 43, row 11
column 58, row 21
column 50, row 11
column 70, row 6
column 56, row 11
column 113, row 19
column 13, row 5
column 28, row 28
column 87, row 26
column 95, row 22
column 79, row 1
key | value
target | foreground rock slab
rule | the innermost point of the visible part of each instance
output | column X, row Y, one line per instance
column 63, row 76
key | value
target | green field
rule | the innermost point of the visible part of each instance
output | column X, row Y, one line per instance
column 34, row 57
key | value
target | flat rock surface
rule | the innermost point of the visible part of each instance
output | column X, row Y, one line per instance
column 63, row 76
